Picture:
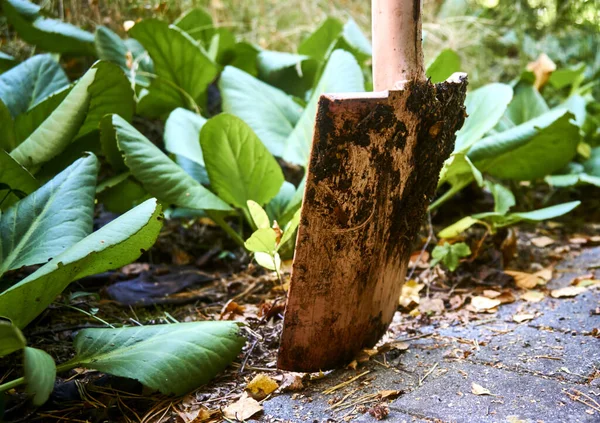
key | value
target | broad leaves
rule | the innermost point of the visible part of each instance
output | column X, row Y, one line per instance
column 14, row 178
column 114, row 245
column 173, row 359
column 11, row 338
column 159, row 175
column 239, row 166
column 51, row 219
column 444, row 65
column 183, row 70
column 40, row 372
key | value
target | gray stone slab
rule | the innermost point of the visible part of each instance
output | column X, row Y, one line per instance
column 588, row 259
column 549, row 353
column 447, row 396
column 394, row 416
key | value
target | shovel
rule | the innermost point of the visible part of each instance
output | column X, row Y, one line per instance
column 374, row 167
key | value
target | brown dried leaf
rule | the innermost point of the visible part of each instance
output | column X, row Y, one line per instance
column 389, row 394
column 477, row 389
column 545, row 274
column 569, row 291
column 490, row 293
column 533, row 296
column 261, row 386
column 431, row 305
column 542, row 241
column 523, row 317
column 230, row 310
column 524, row 280
column 242, row 409
column 506, row 297
column 483, row 303
column 292, row 382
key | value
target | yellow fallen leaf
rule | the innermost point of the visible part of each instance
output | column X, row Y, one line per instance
column 533, row 296
column 242, row 409
column 524, row 280
column 483, row 303
column 542, row 241
column 477, row 389
column 410, row 293
column 523, row 317
column 588, row 283
column 569, row 291
column 261, row 386
column 389, row 394
column 545, row 274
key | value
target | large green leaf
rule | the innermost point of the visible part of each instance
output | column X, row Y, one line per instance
column 458, row 172
column 103, row 89
column 292, row 73
column 173, row 359
column 270, row 112
column 47, row 34
column 183, row 70
column 503, row 197
column 14, row 178
column 118, row 243
column 342, row 74
column 27, row 84
column 7, row 129
column 40, row 373
column 182, row 134
column 531, row 150
column 239, row 166
column 527, row 104
column 158, row 174
column 485, row 106
column 7, row 61
column 444, row 65
column 198, row 24
column 318, row 44
column 11, row 338
column 120, row 193
column 51, row 219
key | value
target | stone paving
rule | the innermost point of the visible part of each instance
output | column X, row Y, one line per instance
column 535, row 370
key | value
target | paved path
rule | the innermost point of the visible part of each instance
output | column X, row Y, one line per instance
column 533, row 369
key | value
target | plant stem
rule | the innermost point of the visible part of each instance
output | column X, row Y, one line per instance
column 225, row 226
column 12, row 384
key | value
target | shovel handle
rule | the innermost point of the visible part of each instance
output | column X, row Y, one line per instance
column 397, row 49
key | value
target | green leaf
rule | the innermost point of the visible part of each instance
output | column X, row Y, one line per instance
column 342, row 74
column 11, row 338
column 457, row 228
column 450, row 254
column 503, row 197
column 485, row 106
column 527, row 104
column 173, row 359
column 572, row 180
column 569, row 76
column 47, row 34
column 28, row 83
column 7, row 128
column 277, row 206
column 7, row 61
column 548, row 212
column 531, row 150
column 184, row 71
column 354, row 41
column 318, row 44
column 458, row 172
column 592, row 165
column 259, row 215
column 270, row 112
column 118, row 243
column 198, row 24
column 290, row 229
column 182, row 134
column 292, row 73
column 244, row 58
column 50, row 220
column 268, row 261
column 158, row 174
column 263, row 240
column 103, row 89
column 40, row 373
column 15, row 177
column 239, row 166
column 444, row 65
column 120, row 193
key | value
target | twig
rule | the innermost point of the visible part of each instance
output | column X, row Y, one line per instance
column 248, row 356
column 430, row 371
column 589, row 401
column 429, row 238
column 341, row 385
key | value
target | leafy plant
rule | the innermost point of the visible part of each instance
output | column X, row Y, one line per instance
column 450, row 254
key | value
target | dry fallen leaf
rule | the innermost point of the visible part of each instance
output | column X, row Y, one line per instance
column 292, row 382
column 533, row 296
column 410, row 293
column 588, row 283
column 477, row 389
column 389, row 394
column 542, row 68
column 431, row 305
column 352, row 365
column 506, row 297
column 483, row 303
column 127, row 25
column 490, row 293
column 569, row 291
column 230, row 310
column 578, row 240
column 524, row 280
column 542, row 241
column 523, row 317
column 261, row 386
column 242, row 409
column 545, row 274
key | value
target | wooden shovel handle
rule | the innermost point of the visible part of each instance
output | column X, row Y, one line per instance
column 397, row 50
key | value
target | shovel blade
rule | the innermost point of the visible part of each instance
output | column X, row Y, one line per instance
column 374, row 166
